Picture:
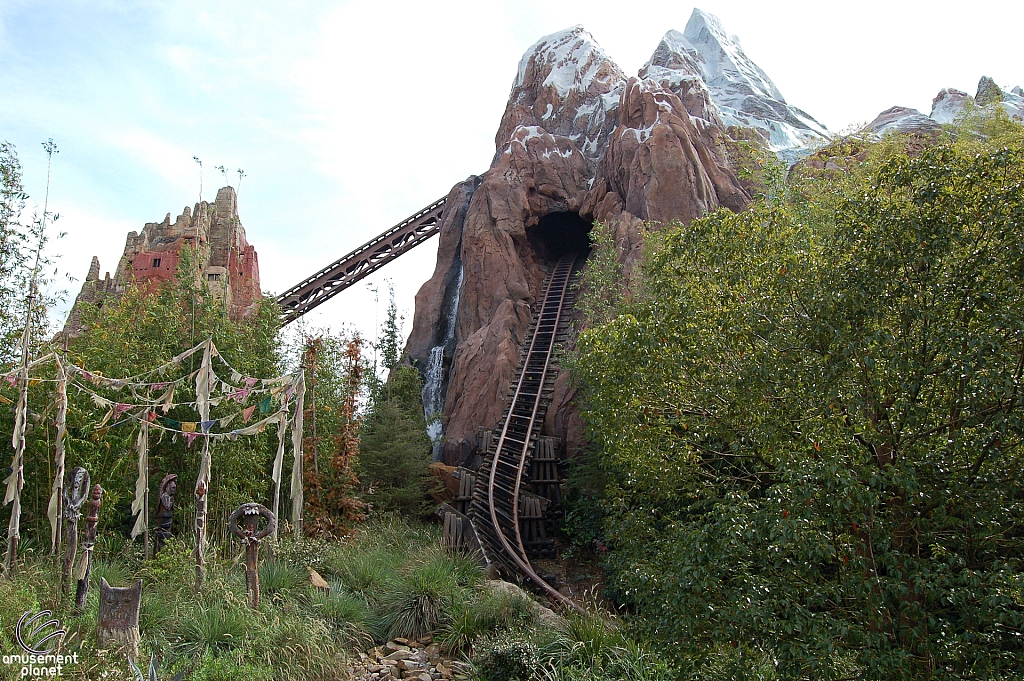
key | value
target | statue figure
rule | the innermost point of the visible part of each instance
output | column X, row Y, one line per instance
column 85, row 564
column 165, row 510
column 118, row 622
column 249, row 532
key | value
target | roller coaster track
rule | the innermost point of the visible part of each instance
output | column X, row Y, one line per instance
column 496, row 509
column 370, row 257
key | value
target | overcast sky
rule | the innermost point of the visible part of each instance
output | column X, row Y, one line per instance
column 349, row 116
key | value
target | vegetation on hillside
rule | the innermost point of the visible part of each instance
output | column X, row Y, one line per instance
column 392, row 580
column 805, row 429
column 806, row 423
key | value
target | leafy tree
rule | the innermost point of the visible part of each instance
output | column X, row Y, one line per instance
column 20, row 240
column 334, row 369
column 811, row 422
column 145, row 328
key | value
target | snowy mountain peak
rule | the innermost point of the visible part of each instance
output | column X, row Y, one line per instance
column 567, row 86
column 574, row 57
column 742, row 93
column 724, row 63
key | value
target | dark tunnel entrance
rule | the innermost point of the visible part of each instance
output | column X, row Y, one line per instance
column 558, row 234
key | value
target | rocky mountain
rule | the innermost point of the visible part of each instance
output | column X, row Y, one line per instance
column 704, row 58
column 579, row 141
column 946, row 106
column 229, row 263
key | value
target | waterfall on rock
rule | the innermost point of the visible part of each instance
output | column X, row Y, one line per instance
column 435, row 374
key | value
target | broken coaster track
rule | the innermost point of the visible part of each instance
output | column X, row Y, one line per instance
column 368, row 258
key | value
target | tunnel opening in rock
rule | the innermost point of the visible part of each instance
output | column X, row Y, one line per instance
column 557, row 234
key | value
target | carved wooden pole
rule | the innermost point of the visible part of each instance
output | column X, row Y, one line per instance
column 250, row 515
column 76, row 487
column 200, row 531
column 85, row 566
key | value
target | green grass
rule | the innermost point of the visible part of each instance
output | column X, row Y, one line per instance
column 392, row 579
column 213, row 628
column 484, row 613
column 420, row 600
column 277, row 577
column 365, row 572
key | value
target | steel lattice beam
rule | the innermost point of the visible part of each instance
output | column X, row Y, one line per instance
column 368, row 258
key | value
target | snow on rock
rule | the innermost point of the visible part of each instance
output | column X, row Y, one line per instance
column 904, row 120
column 742, row 93
column 947, row 104
column 990, row 93
column 568, row 85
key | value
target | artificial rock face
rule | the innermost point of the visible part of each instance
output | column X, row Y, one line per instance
column 579, row 141
column 229, row 264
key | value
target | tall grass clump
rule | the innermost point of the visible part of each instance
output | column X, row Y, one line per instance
column 420, row 600
column 215, row 627
column 297, row 647
column 278, row 577
column 366, row 573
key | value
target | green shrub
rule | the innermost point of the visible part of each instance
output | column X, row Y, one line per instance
column 486, row 612
column 174, row 564
column 302, row 552
column 213, row 668
column 507, row 658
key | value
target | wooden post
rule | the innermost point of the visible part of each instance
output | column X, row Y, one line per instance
column 17, row 479
column 145, row 534
column 200, row 531
column 118, row 622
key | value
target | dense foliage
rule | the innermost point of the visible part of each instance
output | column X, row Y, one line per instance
column 334, row 369
column 144, row 329
column 808, row 422
column 394, row 450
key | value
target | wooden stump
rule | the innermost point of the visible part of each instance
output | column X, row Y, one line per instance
column 118, row 623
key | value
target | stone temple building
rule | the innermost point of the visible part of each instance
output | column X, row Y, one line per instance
column 228, row 263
